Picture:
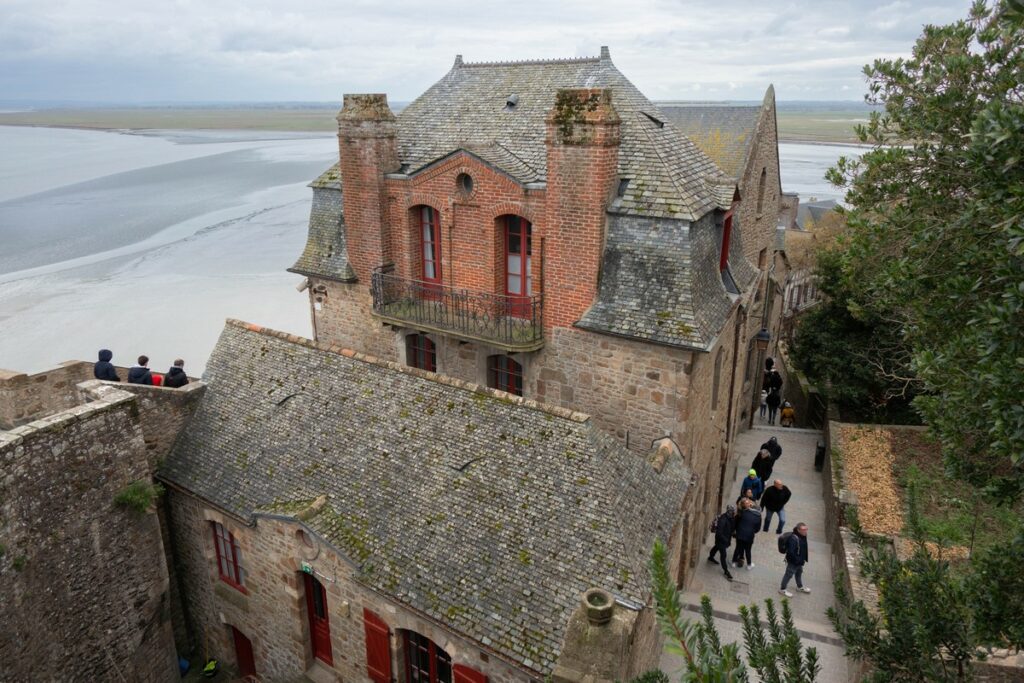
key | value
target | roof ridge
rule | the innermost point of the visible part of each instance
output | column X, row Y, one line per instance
column 534, row 62
column 471, row 387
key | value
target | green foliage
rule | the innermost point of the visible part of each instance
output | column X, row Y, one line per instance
column 652, row 676
column 138, row 495
column 776, row 654
column 995, row 589
column 933, row 253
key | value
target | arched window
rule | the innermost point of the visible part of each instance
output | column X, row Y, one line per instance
column 518, row 264
column 718, row 378
column 425, row 661
column 420, row 352
column 760, row 189
column 505, row 374
column 430, row 244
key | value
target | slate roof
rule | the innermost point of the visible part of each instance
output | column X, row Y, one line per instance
column 326, row 251
column 723, row 132
column 488, row 512
column 669, row 176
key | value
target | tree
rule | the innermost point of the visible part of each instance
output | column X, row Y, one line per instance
column 776, row 653
column 934, row 245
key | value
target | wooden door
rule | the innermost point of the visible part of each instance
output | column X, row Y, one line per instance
column 518, row 266
column 319, row 626
column 243, row 654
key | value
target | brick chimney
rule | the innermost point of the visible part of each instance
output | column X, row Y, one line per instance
column 368, row 148
column 583, row 155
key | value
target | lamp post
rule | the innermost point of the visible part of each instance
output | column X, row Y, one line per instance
column 761, row 339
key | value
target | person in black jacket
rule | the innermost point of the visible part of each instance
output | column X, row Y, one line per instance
column 773, row 501
column 774, row 400
column 176, row 376
column 747, row 525
column 723, row 538
column 796, row 558
column 762, row 464
column 140, row 374
column 104, row 369
column 773, row 447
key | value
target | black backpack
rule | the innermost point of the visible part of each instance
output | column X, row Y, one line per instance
column 784, row 541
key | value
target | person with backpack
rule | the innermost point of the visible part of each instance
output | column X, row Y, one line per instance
column 747, row 525
column 754, row 483
column 773, row 501
column 793, row 544
column 723, row 527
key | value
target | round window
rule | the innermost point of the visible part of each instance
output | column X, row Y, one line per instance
column 465, row 183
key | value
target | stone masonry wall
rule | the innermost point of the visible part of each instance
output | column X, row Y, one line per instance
column 24, row 398
column 272, row 611
column 83, row 580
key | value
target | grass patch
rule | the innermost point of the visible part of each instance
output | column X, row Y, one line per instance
column 138, row 495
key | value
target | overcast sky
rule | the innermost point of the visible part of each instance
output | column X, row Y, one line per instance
column 315, row 50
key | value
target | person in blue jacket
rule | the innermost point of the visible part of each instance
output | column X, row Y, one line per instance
column 754, row 483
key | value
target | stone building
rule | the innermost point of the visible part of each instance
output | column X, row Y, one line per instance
column 543, row 228
column 534, row 301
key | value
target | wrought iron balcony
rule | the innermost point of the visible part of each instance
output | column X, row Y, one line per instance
column 512, row 323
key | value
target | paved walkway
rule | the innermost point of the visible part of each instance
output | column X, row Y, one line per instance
column 796, row 469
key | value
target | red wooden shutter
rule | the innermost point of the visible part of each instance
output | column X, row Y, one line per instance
column 463, row 674
column 378, row 648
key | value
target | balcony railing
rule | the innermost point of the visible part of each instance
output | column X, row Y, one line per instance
column 512, row 323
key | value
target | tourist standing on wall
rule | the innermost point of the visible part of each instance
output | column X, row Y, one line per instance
column 747, row 525
column 140, row 374
column 104, row 369
column 773, row 501
column 795, row 544
column 725, row 527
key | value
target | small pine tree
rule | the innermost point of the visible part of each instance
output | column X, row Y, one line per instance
column 776, row 655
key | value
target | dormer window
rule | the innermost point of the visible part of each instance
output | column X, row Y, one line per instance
column 723, row 253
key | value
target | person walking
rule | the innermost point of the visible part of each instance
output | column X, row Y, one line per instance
column 754, row 483
column 725, row 527
column 773, row 401
column 140, row 374
column 773, row 501
column 176, row 376
column 764, row 403
column 104, row 369
column 787, row 416
column 796, row 558
column 747, row 525
column 762, row 464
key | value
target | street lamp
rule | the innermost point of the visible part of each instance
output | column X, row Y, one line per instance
column 762, row 338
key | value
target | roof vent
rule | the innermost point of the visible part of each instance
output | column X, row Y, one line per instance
column 658, row 122
column 511, row 101
column 623, row 184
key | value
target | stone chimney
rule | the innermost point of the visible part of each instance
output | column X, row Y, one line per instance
column 583, row 157
column 596, row 647
column 368, row 148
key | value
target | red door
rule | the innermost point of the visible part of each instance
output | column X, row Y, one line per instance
column 518, row 267
column 243, row 654
column 430, row 249
column 319, row 627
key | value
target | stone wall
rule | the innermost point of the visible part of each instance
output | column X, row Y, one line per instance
column 163, row 413
column 24, row 398
column 272, row 610
column 83, row 580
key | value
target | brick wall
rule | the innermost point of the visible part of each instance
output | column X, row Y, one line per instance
column 24, row 398
column 83, row 581
column 273, row 612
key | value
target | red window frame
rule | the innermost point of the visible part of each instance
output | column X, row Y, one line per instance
column 506, row 374
column 228, row 567
column 420, row 352
column 723, row 258
column 430, row 244
column 519, row 242
column 425, row 662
